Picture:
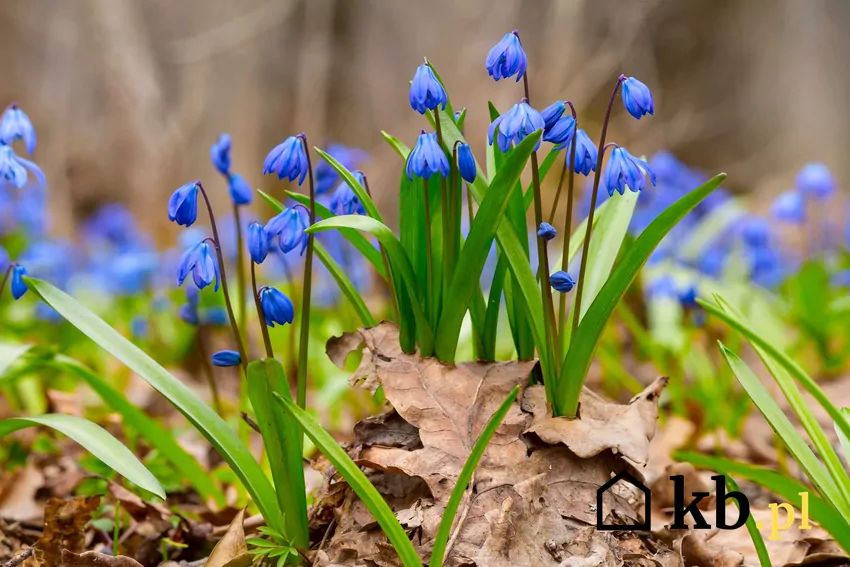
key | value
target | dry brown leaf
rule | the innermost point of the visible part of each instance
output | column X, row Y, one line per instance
column 388, row 430
column 95, row 559
column 231, row 550
column 663, row 488
column 698, row 551
column 135, row 506
column 18, row 495
column 64, row 528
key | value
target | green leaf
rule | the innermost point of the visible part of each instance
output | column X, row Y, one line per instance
column 352, row 182
column 358, row 482
column 583, row 344
column 842, row 437
column 97, row 441
column 400, row 147
column 752, row 527
column 9, row 353
column 710, row 227
column 465, row 477
column 282, row 440
column 467, row 276
column 199, row 414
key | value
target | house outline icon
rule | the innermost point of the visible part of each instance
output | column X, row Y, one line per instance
column 600, row 493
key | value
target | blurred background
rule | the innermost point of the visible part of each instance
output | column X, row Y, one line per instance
column 128, row 95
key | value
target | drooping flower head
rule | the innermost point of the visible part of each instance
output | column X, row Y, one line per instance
column 226, row 358
column 466, row 163
column 552, row 113
column 513, row 126
column 586, row 154
column 240, row 190
column 289, row 227
column 637, row 98
column 426, row 91
column 17, row 285
column 183, row 204
column 258, row 242
column 16, row 125
column 427, row 158
column 561, row 282
column 790, row 207
column 561, row 133
column 623, row 170
column 344, row 200
column 277, row 308
column 326, row 177
column 200, row 260
column 755, row 232
column 220, row 153
column 14, row 168
column 507, row 58
column 816, row 181
column 546, row 231
column 288, row 159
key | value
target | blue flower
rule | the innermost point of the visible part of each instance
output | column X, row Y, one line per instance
column 427, row 158
column 240, row 190
column 344, row 200
column 215, row 316
column 552, row 113
column 277, row 308
column 139, row 327
column 546, row 231
column 513, row 126
column 466, row 163
column 258, row 242
column 663, row 286
column 426, row 91
column 16, row 125
column 200, row 260
column 350, row 158
column 790, row 206
column 637, row 98
column 189, row 314
column 755, row 232
column 17, row 285
column 624, row 169
column 561, row 133
column 688, row 297
column 183, row 204
column 586, row 154
column 816, row 181
column 4, row 260
column 507, row 58
column 220, row 153
column 225, row 358
column 289, row 227
column 561, row 281
column 288, row 159
column 13, row 168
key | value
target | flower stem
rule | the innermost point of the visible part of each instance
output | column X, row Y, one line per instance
column 568, row 229
column 304, row 338
column 446, row 219
column 6, row 279
column 266, row 339
column 240, row 277
column 386, row 262
column 208, row 371
column 429, row 263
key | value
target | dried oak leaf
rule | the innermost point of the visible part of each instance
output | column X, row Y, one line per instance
column 231, row 550
column 95, row 559
column 65, row 524
column 698, row 551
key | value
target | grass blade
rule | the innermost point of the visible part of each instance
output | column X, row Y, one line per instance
column 10, row 353
column 352, row 182
column 400, row 147
column 842, row 437
column 752, row 528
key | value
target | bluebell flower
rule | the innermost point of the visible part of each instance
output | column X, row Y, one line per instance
column 755, row 232
column 32, row 212
column 215, row 316
column 111, row 225
column 688, row 297
column 513, row 126
column 4, row 260
column 816, row 181
column 637, row 98
column 426, row 91
column 289, row 227
column 507, row 58
column 427, row 158
column 624, row 169
column 258, row 242
column 344, row 200
column 663, row 286
column 189, row 314
column 561, row 282
column 220, row 154
column 225, row 358
column 713, row 260
column 561, row 133
column 552, row 113
column 277, row 308
column 14, row 168
column 201, row 261
column 466, row 163
column 17, row 285
column 16, row 125
column 139, row 327
column 240, row 190
column 183, row 204
column 288, row 159
column 546, row 231
column 326, row 177
column 790, row 206
column 586, row 154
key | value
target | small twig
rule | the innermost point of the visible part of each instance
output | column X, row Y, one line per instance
column 330, row 528
column 251, row 423
column 20, row 558
column 251, row 523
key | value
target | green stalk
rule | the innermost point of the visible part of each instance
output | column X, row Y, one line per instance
column 568, row 227
column 6, row 279
column 240, row 275
column 446, row 218
column 208, row 371
column 266, row 339
column 430, row 299
column 304, row 339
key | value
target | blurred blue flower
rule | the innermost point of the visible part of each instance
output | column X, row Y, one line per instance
column 688, row 297
column 111, row 225
column 816, row 181
column 552, row 113
column 637, row 98
column 258, row 242
column 426, row 91
column 139, row 327
column 289, row 227
column 623, row 170
column 240, row 190
column 561, row 281
column 32, row 211
column 507, row 58
column 840, row 279
column 546, row 231
column 755, row 232
column 344, row 200
column 16, row 125
column 586, row 154
column 128, row 272
column 189, row 314
column 4, row 260
column 288, row 159
column 17, row 285
column 790, row 206
column 466, row 163
column 662, row 286
column 427, row 158
column 225, row 358
column 350, row 158
column 767, row 268
column 277, row 308
column 201, row 261
column 214, row 316
column 220, row 153
column 513, row 126
column 561, row 133
column 14, row 168
column 183, row 204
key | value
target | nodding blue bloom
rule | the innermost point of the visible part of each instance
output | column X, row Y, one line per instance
column 507, row 58
column 637, row 98
column 225, row 358
column 258, row 242
column 624, row 169
column 277, row 308
column 215, row 316
column 816, row 181
column 513, row 126
column 790, row 206
column 4, row 260
column 552, row 113
column 350, row 158
column 220, row 153
column 427, row 158
column 688, row 297
column 189, row 314
column 289, row 227
column 288, row 159
column 546, row 231
column 663, row 286
column 426, row 91
column 183, row 204
column 17, row 285
column 755, row 232
column 14, row 168
column 200, row 260
column 16, row 125
column 344, row 200
column 466, row 163
column 561, row 282
column 240, row 190
column 561, row 133
column 586, row 154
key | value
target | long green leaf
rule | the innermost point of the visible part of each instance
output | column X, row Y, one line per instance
column 842, row 437
column 465, row 477
column 9, row 354
column 97, row 441
column 583, row 344
column 752, row 527
column 400, row 147
column 358, row 482
column 199, row 414
column 352, row 182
